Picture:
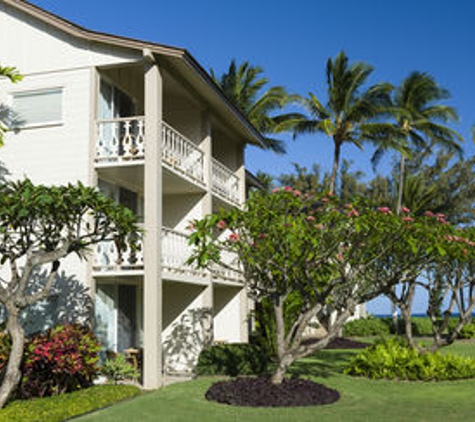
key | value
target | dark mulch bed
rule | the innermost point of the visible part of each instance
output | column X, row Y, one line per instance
column 340, row 343
column 260, row 392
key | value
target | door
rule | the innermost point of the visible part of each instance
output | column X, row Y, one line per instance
column 113, row 104
column 127, row 318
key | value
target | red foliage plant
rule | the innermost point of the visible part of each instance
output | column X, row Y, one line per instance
column 60, row 360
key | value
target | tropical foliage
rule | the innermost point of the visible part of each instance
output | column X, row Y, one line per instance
column 351, row 113
column 421, row 121
column 246, row 87
column 393, row 359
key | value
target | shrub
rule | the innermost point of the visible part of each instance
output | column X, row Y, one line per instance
column 232, row 360
column 62, row 359
column 66, row 406
column 118, row 369
column 468, row 331
column 365, row 327
column 393, row 359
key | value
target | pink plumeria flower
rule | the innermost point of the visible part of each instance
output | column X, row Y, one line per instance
column 275, row 190
column 233, row 237
column 405, row 209
column 429, row 214
column 288, row 189
column 407, row 219
column 384, row 210
column 221, row 224
column 310, row 218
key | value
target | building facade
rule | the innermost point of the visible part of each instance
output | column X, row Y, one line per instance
column 145, row 124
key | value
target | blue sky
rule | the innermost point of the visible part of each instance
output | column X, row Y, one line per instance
column 293, row 40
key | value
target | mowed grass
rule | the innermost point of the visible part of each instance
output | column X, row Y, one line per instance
column 361, row 399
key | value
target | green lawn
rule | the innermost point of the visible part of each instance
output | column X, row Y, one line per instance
column 362, row 400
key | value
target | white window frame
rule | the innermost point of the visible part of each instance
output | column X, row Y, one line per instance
column 47, row 123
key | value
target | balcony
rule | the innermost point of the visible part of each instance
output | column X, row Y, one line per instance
column 122, row 141
column 181, row 155
column 224, row 182
column 175, row 253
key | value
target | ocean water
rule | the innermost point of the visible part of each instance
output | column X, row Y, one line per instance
column 416, row 315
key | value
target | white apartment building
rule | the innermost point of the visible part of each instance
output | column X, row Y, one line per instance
column 145, row 123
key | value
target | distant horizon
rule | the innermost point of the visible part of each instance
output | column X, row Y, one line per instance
column 415, row 315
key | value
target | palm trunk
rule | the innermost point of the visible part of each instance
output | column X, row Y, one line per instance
column 12, row 374
column 401, row 184
column 400, row 194
column 336, row 163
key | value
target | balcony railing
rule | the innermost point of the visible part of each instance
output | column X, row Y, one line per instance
column 123, row 140
column 231, row 270
column 120, row 140
column 224, row 182
column 107, row 257
column 182, row 155
column 175, row 253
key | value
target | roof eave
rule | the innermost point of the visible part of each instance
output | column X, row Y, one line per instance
column 126, row 42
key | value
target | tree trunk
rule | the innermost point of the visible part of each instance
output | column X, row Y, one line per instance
column 282, row 368
column 336, row 163
column 406, row 315
column 12, row 375
column 394, row 316
column 406, row 312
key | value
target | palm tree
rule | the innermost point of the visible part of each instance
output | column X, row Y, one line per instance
column 243, row 85
column 351, row 111
column 421, row 121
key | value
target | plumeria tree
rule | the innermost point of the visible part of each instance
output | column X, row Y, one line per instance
column 441, row 264
column 333, row 255
column 14, row 76
column 39, row 227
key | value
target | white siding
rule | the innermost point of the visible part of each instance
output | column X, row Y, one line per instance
column 179, row 210
column 227, row 318
column 53, row 154
column 33, row 46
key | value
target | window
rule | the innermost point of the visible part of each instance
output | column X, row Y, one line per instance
column 36, row 108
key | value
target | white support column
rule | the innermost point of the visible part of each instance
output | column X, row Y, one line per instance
column 206, row 146
column 244, row 301
column 94, row 82
column 241, row 174
column 244, row 313
column 152, row 291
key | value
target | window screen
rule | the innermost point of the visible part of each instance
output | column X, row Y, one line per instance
column 38, row 107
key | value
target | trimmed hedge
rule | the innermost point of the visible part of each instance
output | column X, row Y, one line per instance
column 65, row 406
column 393, row 359
column 421, row 326
column 366, row 327
column 232, row 360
